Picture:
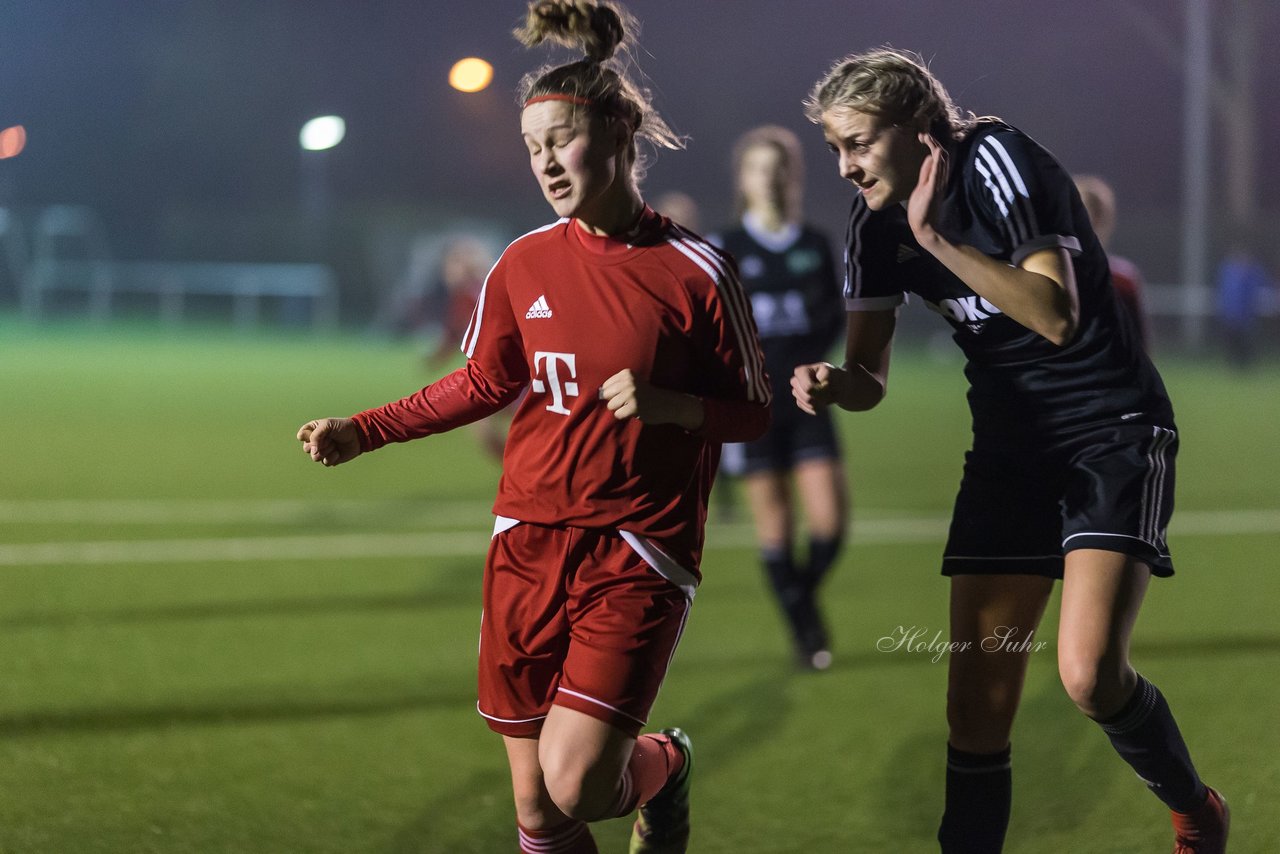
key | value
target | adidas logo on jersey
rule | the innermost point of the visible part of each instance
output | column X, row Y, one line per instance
column 906, row 253
column 539, row 309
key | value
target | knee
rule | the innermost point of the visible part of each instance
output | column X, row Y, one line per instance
column 1097, row 688
column 1080, row 679
column 583, row 792
column 980, row 717
column 534, row 811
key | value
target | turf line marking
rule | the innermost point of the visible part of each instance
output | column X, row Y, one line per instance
column 884, row 531
column 241, row 549
column 149, row 511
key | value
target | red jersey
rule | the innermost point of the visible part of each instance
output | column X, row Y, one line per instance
column 561, row 312
column 1126, row 278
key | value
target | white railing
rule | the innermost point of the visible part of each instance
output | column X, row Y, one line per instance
column 245, row 284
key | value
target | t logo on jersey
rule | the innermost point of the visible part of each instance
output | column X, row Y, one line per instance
column 971, row 311
column 560, row 388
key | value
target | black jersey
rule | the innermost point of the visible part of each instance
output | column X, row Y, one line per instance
column 795, row 295
column 1009, row 198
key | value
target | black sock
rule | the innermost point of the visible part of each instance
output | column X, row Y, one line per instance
column 979, row 796
column 796, row 599
column 784, row 579
column 822, row 554
column 1146, row 736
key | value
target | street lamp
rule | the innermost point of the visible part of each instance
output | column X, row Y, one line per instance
column 471, row 74
column 317, row 137
column 322, row 133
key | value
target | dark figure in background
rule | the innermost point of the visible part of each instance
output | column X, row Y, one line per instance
column 463, row 266
column 787, row 270
column 1126, row 279
column 1243, row 286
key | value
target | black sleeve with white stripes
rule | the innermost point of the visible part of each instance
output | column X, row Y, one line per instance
column 871, row 280
column 1024, row 193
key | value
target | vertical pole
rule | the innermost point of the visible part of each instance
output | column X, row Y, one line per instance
column 1195, row 176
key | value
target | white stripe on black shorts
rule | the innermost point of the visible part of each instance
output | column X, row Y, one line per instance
column 1024, row 503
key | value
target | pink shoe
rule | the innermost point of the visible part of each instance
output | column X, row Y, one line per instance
column 1205, row 830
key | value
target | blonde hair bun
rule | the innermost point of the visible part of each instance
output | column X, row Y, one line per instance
column 597, row 29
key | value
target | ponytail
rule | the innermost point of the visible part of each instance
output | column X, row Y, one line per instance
column 598, row 82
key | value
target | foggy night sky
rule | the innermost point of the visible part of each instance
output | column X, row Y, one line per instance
column 141, row 107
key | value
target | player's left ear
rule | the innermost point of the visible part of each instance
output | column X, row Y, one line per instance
column 621, row 135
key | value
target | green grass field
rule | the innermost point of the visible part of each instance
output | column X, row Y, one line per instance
column 209, row 644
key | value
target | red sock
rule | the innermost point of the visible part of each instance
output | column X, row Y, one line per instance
column 654, row 761
column 572, row 837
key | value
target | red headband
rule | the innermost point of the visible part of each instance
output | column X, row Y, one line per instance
column 614, row 109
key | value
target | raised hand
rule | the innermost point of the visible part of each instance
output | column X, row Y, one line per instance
column 926, row 198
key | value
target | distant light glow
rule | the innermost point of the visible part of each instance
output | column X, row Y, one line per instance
column 322, row 132
column 12, row 141
column 470, row 75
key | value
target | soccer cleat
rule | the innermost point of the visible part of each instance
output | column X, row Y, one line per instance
column 817, row 660
column 663, row 824
column 813, row 644
column 1205, row 830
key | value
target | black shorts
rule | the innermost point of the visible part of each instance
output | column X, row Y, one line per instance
column 1024, row 504
column 793, row 437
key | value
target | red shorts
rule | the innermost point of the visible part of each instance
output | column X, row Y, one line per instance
column 576, row 618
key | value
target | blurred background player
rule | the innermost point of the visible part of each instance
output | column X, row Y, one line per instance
column 1100, row 201
column 679, row 207
column 1242, row 289
column 787, row 270
column 1071, row 470
column 463, row 266
column 637, row 345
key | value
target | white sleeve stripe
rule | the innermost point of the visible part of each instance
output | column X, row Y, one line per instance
column 735, row 296
column 473, row 328
column 853, row 254
column 1008, row 162
column 986, row 179
column 1009, row 175
column 472, row 336
column 735, row 307
column 1024, row 200
column 1021, row 231
column 735, row 304
column 1005, row 223
column 740, row 310
column 720, row 273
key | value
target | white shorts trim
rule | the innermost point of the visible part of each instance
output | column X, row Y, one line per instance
column 581, row 696
column 1121, row 536
column 1004, row 557
column 507, row 720
column 650, row 552
column 503, row 523
column 662, row 563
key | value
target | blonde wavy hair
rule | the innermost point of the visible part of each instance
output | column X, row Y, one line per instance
column 894, row 85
